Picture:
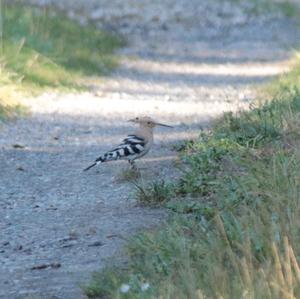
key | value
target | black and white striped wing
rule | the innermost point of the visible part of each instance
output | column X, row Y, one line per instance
column 131, row 147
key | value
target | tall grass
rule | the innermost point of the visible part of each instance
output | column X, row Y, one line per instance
column 234, row 229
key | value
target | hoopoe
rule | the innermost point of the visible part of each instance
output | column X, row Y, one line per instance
column 134, row 146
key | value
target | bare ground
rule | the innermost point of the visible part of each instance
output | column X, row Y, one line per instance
column 185, row 63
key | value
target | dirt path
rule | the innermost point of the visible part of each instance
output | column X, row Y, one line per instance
column 184, row 64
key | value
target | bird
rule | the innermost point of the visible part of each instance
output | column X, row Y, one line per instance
column 134, row 146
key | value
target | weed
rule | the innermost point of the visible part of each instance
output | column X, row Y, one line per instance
column 129, row 175
column 182, row 145
column 250, row 129
column 203, row 163
column 156, row 193
column 104, row 283
column 191, row 206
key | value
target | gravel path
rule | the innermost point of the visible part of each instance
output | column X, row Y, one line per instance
column 186, row 62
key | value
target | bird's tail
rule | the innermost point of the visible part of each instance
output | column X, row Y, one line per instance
column 97, row 161
column 94, row 164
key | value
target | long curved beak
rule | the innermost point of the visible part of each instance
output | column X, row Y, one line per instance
column 163, row 125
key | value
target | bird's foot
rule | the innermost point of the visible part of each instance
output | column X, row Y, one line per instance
column 133, row 165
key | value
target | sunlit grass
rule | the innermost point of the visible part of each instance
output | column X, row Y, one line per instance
column 42, row 48
column 10, row 97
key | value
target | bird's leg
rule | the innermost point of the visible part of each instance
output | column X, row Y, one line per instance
column 132, row 164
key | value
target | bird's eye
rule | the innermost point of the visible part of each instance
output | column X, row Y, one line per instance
column 149, row 122
column 136, row 118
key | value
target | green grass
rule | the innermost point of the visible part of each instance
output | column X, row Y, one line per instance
column 234, row 229
column 157, row 193
column 40, row 48
column 128, row 175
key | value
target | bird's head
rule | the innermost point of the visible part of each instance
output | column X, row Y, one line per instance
column 147, row 121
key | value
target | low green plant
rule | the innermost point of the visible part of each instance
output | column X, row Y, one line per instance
column 155, row 193
column 129, row 175
column 202, row 164
column 250, row 129
column 103, row 283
